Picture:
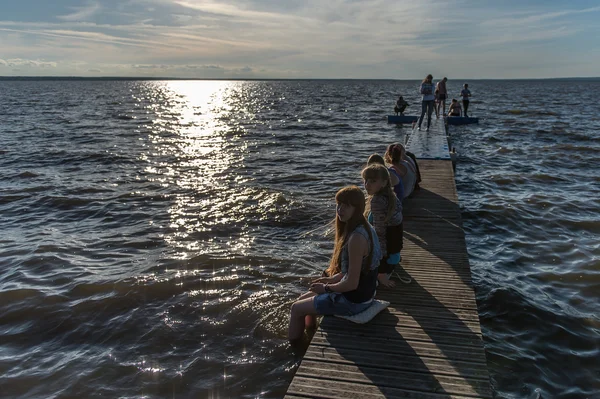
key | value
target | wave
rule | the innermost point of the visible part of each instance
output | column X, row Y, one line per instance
column 528, row 112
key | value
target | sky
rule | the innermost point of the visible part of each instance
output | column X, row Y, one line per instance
column 360, row 39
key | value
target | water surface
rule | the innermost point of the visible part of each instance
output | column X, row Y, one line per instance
column 154, row 233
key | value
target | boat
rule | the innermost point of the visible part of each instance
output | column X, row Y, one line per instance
column 402, row 118
column 461, row 120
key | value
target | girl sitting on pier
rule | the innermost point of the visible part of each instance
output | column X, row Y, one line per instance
column 352, row 271
column 404, row 166
column 385, row 214
column 395, row 178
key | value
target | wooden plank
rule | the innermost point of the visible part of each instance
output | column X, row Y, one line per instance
column 428, row 343
column 396, row 378
column 321, row 388
column 404, row 346
column 406, row 333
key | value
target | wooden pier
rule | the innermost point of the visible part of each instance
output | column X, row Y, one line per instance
column 427, row 343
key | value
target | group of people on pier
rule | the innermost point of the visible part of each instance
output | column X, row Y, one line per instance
column 367, row 244
column 433, row 97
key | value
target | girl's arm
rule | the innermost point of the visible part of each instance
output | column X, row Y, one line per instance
column 394, row 179
column 329, row 280
column 379, row 212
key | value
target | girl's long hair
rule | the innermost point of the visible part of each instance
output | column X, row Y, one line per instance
column 428, row 78
column 350, row 195
column 380, row 172
column 394, row 154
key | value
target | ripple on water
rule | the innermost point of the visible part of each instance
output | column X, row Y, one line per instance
column 155, row 233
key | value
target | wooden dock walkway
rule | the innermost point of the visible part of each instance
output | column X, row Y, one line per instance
column 428, row 343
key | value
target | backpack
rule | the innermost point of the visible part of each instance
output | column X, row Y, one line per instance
column 426, row 88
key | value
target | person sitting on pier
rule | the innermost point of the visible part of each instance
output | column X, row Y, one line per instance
column 454, row 109
column 352, row 271
column 405, row 165
column 400, row 106
column 394, row 177
column 385, row 214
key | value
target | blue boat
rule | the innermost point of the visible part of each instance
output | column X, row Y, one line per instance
column 461, row 120
column 402, row 118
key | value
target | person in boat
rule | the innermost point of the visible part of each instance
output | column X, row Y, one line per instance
column 454, row 109
column 465, row 94
column 442, row 95
column 384, row 211
column 427, row 90
column 400, row 106
column 351, row 279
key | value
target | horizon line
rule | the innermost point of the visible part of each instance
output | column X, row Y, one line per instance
column 75, row 77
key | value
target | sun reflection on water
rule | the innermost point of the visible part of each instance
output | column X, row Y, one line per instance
column 192, row 155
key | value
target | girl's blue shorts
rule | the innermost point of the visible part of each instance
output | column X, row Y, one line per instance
column 335, row 303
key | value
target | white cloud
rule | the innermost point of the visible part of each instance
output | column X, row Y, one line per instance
column 81, row 13
column 533, row 17
column 19, row 62
column 313, row 38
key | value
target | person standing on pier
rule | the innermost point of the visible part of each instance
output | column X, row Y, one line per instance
column 352, row 271
column 427, row 89
column 465, row 93
column 442, row 95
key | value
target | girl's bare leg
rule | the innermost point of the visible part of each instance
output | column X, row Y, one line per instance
column 307, row 294
column 300, row 309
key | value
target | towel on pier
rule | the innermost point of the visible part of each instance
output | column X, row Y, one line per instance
column 366, row 315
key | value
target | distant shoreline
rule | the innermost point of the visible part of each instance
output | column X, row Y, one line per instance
column 124, row 78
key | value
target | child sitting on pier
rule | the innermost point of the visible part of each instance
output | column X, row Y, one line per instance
column 454, row 109
column 385, row 214
column 405, row 165
column 395, row 178
column 400, row 106
column 352, row 271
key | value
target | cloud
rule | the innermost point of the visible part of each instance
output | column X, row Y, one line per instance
column 81, row 13
column 312, row 38
column 533, row 17
column 92, row 37
column 14, row 62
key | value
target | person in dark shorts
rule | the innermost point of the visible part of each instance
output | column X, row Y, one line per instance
column 442, row 95
column 465, row 94
column 351, row 280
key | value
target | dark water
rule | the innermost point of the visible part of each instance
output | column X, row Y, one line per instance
column 153, row 234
